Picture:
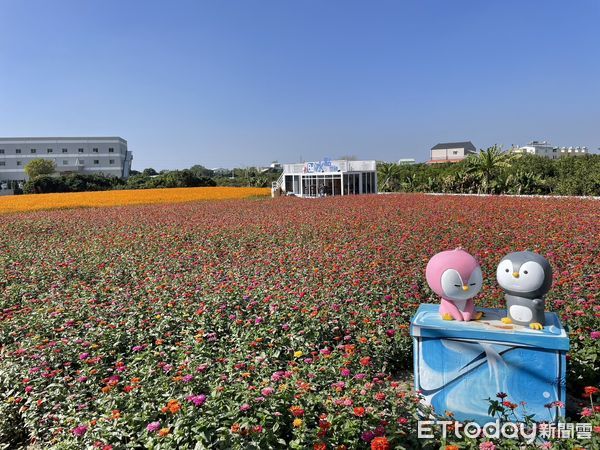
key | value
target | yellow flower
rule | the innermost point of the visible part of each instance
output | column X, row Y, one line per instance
column 298, row 354
column 297, row 423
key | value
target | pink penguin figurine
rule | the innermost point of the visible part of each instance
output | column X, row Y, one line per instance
column 456, row 277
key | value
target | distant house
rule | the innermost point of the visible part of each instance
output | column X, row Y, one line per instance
column 450, row 152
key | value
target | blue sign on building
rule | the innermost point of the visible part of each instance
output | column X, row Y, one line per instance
column 459, row 365
column 324, row 166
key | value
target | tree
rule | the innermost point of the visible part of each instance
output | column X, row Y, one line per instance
column 388, row 175
column 38, row 167
column 150, row 172
column 488, row 164
column 201, row 171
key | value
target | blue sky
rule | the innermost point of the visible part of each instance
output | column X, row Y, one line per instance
column 234, row 83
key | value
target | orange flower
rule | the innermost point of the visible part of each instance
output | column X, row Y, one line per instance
column 173, row 407
column 116, row 414
column 320, row 446
column 297, row 411
column 380, row 443
column 235, row 428
column 359, row 411
column 107, row 389
column 164, row 432
column 451, row 447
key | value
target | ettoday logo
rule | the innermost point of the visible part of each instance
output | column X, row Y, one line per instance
column 504, row 430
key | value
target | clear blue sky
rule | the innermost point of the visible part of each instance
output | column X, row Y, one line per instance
column 224, row 83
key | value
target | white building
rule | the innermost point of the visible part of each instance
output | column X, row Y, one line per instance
column 101, row 155
column 327, row 178
column 406, row 161
column 543, row 148
column 451, row 152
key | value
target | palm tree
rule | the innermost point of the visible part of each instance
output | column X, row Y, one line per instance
column 387, row 175
column 487, row 164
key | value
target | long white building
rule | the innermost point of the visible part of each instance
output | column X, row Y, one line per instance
column 101, row 155
column 543, row 148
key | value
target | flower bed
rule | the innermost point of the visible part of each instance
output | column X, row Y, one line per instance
column 35, row 202
column 257, row 324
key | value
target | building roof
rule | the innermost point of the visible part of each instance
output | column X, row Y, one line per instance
column 444, row 145
column 62, row 139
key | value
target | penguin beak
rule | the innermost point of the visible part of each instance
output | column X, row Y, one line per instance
column 465, row 287
column 516, row 274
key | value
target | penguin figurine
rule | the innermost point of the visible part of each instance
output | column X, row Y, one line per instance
column 525, row 277
column 456, row 277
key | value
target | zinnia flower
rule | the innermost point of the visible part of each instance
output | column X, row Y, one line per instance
column 380, row 443
column 197, row 400
column 153, row 426
column 79, row 430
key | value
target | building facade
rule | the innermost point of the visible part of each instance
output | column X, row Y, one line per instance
column 327, row 178
column 543, row 148
column 100, row 155
column 450, row 152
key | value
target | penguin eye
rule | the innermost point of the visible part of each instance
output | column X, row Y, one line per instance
column 525, row 272
column 457, row 285
column 472, row 284
column 507, row 270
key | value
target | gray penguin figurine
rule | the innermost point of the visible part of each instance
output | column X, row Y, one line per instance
column 525, row 277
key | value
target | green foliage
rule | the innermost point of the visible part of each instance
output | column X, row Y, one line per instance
column 495, row 172
column 44, row 184
column 39, row 167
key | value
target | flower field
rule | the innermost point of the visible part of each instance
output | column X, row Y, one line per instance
column 34, row 202
column 277, row 323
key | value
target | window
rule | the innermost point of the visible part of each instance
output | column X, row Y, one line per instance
column 1, row 151
column 95, row 150
column 49, row 150
column 17, row 151
column 455, row 152
column 81, row 162
column 65, row 162
column 96, row 161
column 64, row 150
column 18, row 163
column 111, row 161
column 2, row 163
column 80, row 150
column 33, row 150
column 111, row 150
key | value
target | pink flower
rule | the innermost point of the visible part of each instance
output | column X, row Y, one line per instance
column 79, row 430
column 267, row 391
column 28, row 389
column 245, row 407
column 488, row 445
column 187, row 378
column 595, row 334
column 153, row 426
column 586, row 412
column 197, row 400
column 84, row 356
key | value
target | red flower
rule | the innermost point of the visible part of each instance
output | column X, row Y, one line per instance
column 590, row 390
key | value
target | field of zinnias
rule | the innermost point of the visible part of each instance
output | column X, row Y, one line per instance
column 257, row 324
column 35, row 202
